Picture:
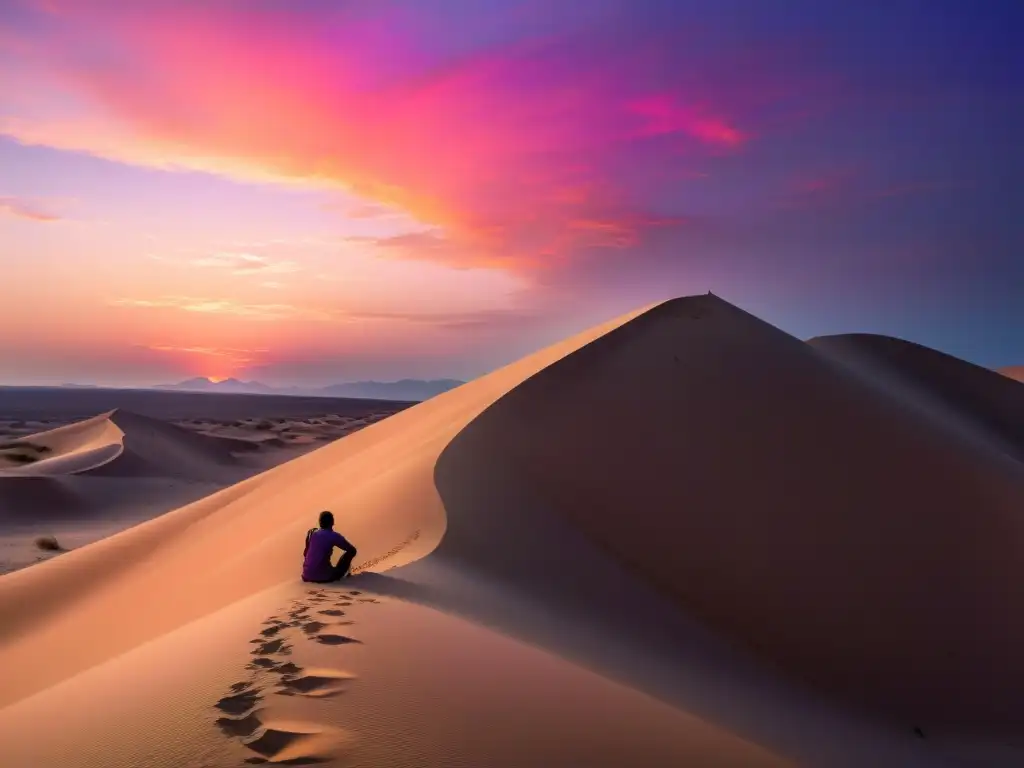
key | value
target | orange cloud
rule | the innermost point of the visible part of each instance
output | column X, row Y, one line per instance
column 226, row 307
column 246, row 264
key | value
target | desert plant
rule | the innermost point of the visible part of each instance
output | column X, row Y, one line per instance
column 48, row 543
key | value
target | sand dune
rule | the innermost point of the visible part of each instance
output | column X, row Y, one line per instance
column 1015, row 372
column 975, row 397
column 846, row 538
column 687, row 538
column 68, row 450
column 114, row 443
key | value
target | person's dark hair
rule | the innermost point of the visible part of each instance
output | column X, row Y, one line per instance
column 326, row 519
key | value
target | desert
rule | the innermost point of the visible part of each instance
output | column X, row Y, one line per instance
column 511, row 384
column 72, row 478
column 748, row 584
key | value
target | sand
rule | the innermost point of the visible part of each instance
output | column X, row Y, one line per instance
column 1015, row 372
column 681, row 538
column 86, row 480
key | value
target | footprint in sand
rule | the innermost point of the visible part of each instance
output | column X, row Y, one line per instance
column 278, row 647
column 293, row 743
column 246, row 725
column 335, row 639
column 288, row 668
column 281, row 742
column 239, row 703
column 316, row 683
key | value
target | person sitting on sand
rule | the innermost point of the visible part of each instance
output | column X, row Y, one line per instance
column 320, row 543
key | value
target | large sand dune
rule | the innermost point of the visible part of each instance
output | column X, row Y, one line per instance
column 683, row 537
column 849, row 539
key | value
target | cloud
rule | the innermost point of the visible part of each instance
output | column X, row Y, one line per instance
column 667, row 113
column 371, row 211
column 226, row 307
column 246, row 264
column 508, row 147
column 235, row 356
column 472, row 318
column 24, row 208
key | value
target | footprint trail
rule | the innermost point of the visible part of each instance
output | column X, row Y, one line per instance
column 244, row 713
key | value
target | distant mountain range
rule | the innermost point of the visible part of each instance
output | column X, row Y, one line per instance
column 405, row 389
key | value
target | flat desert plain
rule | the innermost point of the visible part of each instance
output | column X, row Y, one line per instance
column 682, row 538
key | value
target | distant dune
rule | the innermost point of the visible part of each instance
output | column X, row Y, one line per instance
column 404, row 390
column 683, row 537
column 115, row 443
column 1015, row 372
column 77, row 404
column 951, row 387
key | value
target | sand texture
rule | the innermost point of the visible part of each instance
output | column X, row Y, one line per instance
column 683, row 537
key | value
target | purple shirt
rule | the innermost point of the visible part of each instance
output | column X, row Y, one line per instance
column 317, row 564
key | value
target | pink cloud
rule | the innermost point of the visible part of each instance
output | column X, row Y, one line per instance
column 26, row 209
column 664, row 113
column 513, row 152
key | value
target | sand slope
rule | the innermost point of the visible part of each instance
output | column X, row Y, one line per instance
column 242, row 539
column 67, row 450
column 846, row 538
column 591, row 500
column 989, row 403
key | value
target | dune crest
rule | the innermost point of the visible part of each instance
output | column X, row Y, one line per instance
column 72, row 449
column 952, row 390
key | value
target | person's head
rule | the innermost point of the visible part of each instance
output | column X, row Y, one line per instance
column 326, row 519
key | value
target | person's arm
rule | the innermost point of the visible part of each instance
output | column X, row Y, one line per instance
column 342, row 543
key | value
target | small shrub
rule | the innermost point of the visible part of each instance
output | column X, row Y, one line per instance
column 48, row 543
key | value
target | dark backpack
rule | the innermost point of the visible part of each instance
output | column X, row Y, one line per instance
column 309, row 533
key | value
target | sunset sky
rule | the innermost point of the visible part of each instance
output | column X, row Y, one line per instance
column 316, row 191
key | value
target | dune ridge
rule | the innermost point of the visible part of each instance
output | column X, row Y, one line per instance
column 989, row 403
column 1015, row 372
column 68, row 450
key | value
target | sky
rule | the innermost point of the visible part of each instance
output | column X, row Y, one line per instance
column 316, row 191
